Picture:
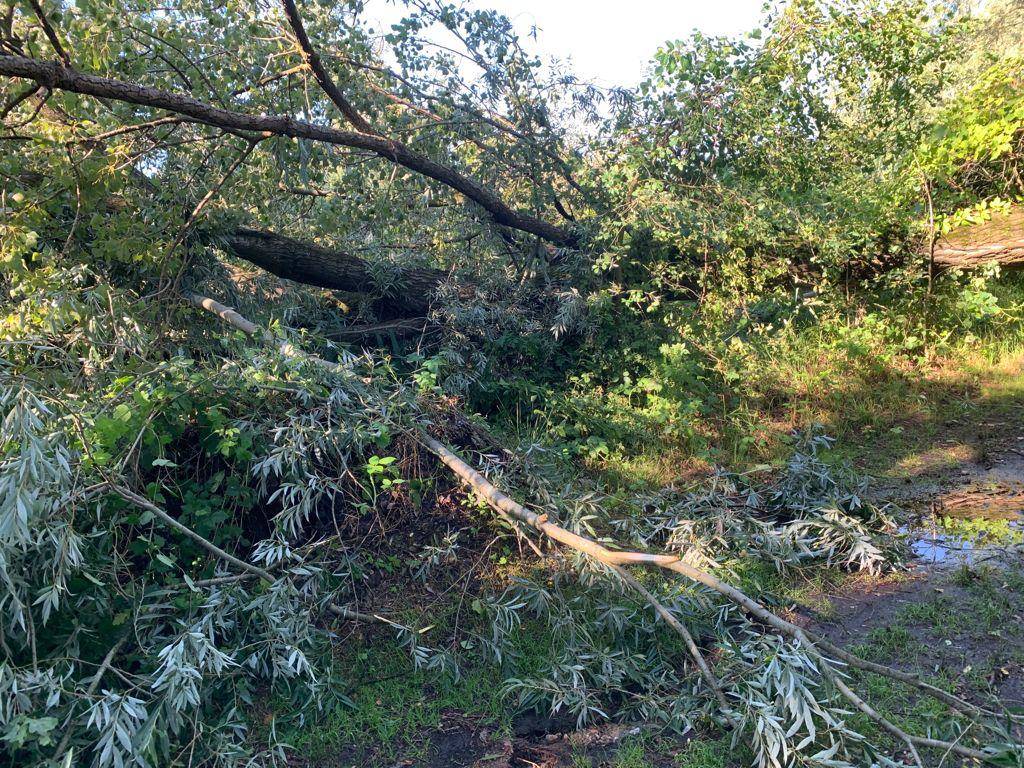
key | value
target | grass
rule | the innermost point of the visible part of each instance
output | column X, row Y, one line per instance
column 890, row 642
column 703, row 753
column 632, row 753
column 808, row 590
column 898, row 416
column 893, row 411
column 393, row 712
column 954, row 640
column 392, row 707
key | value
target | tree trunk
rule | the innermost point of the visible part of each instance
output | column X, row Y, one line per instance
column 1006, row 254
column 999, row 240
column 402, row 293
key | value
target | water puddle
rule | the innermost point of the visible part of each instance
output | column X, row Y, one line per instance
column 969, row 526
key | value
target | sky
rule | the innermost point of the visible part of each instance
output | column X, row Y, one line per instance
column 611, row 41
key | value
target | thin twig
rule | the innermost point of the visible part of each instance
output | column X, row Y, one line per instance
column 683, row 632
column 28, row 93
column 94, row 684
column 141, row 501
column 144, row 503
column 323, row 77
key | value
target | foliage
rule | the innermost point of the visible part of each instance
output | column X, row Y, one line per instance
column 976, row 146
column 784, row 158
column 187, row 518
column 247, row 453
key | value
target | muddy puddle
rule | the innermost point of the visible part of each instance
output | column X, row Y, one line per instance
column 969, row 526
column 969, row 516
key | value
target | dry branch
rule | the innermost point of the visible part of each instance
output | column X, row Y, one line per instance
column 1009, row 253
column 807, row 639
column 999, row 239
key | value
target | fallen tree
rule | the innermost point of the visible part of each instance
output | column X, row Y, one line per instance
column 397, row 293
column 831, row 658
column 233, row 482
column 999, row 240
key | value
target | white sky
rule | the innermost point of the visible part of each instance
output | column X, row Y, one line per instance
column 611, row 41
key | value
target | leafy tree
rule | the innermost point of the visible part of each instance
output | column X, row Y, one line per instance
column 180, row 497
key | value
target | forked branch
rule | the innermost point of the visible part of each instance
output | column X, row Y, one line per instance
column 323, row 77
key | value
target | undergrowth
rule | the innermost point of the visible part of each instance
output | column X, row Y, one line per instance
column 883, row 383
column 217, row 551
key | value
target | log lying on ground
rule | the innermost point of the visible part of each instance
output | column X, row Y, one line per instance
column 999, row 240
column 405, row 293
column 617, row 560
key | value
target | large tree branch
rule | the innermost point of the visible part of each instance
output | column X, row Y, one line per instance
column 407, row 293
column 817, row 645
column 999, row 239
column 1009, row 253
column 56, row 76
column 323, row 77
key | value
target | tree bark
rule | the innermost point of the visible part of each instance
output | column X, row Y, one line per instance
column 1007, row 254
column 323, row 77
column 405, row 293
column 1000, row 239
column 54, row 75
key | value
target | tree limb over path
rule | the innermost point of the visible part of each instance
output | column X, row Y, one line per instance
column 56, row 76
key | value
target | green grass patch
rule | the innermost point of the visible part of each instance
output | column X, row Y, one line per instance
column 708, row 753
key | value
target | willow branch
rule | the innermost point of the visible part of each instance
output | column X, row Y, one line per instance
column 500, row 501
column 323, row 77
column 94, row 684
column 254, row 570
column 56, row 76
column 683, row 632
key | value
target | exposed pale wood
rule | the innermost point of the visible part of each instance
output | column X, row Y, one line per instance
column 816, row 645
